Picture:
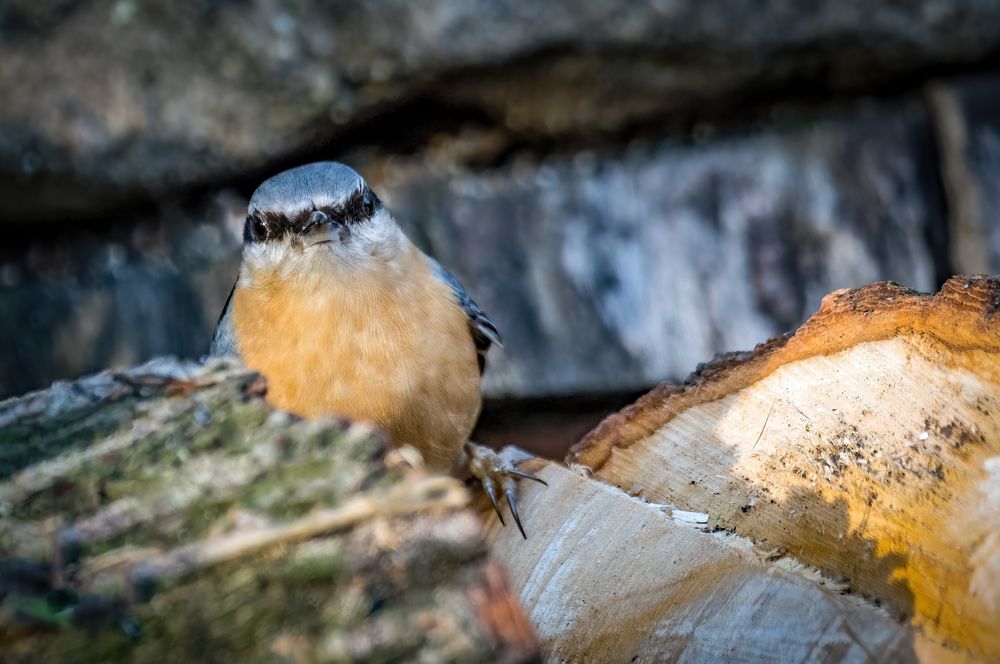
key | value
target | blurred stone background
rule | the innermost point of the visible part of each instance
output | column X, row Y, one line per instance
column 627, row 188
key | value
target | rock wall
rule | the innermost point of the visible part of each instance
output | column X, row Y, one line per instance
column 627, row 190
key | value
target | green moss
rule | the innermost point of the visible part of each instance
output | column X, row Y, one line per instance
column 26, row 443
column 309, row 568
column 134, row 468
column 188, row 525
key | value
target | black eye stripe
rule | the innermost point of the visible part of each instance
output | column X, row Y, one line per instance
column 360, row 206
column 269, row 225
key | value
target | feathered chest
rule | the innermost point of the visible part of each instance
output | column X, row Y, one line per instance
column 390, row 348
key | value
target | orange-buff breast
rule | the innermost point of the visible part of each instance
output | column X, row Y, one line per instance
column 394, row 351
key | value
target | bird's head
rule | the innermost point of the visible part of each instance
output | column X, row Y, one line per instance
column 316, row 218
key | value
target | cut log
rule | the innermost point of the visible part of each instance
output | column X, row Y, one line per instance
column 862, row 452
column 168, row 514
column 607, row 577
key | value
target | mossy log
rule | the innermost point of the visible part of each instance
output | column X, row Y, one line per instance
column 167, row 513
column 848, row 480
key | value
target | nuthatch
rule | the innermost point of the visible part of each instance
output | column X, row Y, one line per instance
column 343, row 314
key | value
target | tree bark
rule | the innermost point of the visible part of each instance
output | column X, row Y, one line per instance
column 848, row 478
column 168, row 514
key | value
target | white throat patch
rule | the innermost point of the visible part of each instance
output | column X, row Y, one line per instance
column 374, row 244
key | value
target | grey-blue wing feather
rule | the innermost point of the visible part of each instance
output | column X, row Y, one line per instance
column 484, row 331
column 224, row 339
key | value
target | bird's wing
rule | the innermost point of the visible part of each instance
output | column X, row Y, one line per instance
column 484, row 331
column 224, row 339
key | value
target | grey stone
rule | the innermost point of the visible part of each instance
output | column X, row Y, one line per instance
column 967, row 118
column 612, row 272
column 104, row 103
column 606, row 271
column 85, row 300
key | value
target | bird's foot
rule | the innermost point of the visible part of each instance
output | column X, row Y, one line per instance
column 499, row 478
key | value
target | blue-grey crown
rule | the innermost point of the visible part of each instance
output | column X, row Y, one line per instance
column 304, row 187
column 301, row 199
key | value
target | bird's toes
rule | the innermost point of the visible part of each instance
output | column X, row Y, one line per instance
column 499, row 479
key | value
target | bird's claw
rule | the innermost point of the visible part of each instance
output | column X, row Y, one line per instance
column 492, row 470
column 490, row 487
column 512, row 501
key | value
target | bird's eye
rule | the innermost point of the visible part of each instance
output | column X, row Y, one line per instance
column 368, row 203
column 255, row 229
column 259, row 228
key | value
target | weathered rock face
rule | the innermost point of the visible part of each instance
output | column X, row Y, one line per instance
column 106, row 102
column 626, row 190
column 81, row 300
column 605, row 271
column 610, row 272
column 967, row 113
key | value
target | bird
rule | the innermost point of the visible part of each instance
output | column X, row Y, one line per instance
column 344, row 315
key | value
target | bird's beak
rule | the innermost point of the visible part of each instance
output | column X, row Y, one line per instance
column 335, row 231
column 317, row 218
